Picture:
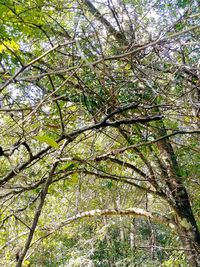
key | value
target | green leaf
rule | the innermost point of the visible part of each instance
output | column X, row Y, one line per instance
column 48, row 140
column 68, row 166
column 179, row 26
column 183, row 3
column 74, row 178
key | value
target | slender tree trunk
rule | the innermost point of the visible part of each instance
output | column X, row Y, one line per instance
column 191, row 246
column 178, row 198
column 132, row 235
column 187, row 229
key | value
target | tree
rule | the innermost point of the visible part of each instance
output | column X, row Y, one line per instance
column 95, row 94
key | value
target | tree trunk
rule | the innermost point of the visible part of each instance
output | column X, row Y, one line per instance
column 190, row 244
column 187, row 228
column 176, row 195
column 178, row 198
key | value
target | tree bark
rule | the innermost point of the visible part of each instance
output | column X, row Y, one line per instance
column 179, row 200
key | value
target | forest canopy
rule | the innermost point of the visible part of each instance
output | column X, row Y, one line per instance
column 99, row 147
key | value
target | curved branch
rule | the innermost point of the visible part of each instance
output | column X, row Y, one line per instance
column 135, row 212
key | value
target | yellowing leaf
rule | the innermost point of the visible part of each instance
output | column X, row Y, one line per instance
column 26, row 263
column 185, row 224
column 48, row 140
column 187, row 119
column 6, row 45
column 72, row 108
column 2, row 48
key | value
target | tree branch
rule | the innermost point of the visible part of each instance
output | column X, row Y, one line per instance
column 118, row 35
column 123, row 149
column 32, row 62
column 135, row 212
column 37, row 215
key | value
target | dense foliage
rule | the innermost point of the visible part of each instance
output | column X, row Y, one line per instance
column 99, row 151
